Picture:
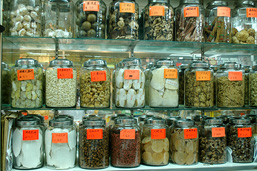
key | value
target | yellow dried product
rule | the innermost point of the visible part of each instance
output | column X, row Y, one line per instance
column 157, row 145
column 180, row 158
column 147, row 157
column 165, row 157
column 180, row 145
column 148, row 148
column 158, row 158
column 190, row 146
column 250, row 40
column 190, row 158
column 251, row 32
column 146, row 140
column 166, row 144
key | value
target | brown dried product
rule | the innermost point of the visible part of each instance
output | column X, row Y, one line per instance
column 6, row 85
column 246, row 89
column 253, row 89
column 245, row 36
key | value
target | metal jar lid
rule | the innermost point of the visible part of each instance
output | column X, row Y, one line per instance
column 230, row 65
column 125, row 120
column 190, row 1
column 183, row 66
column 241, row 121
column 66, row 116
column 95, row 62
column 113, row 117
column 247, row 3
column 131, row 62
column 214, row 67
column 28, row 120
column 171, row 120
column 252, row 117
column 26, row 61
column 150, row 65
column 214, row 121
column 4, row 65
column 144, row 117
column 160, row 1
column 184, row 123
column 61, row 121
column 61, row 62
column 164, row 62
column 96, row 121
column 247, row 69
column 198, row 64
column 41, row 118
column 155, row 120
column 218, row 3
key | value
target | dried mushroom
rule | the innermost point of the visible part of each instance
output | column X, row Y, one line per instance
column 246, row 36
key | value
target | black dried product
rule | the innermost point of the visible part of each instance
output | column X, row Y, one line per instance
column 181, row 87
column 6, row 86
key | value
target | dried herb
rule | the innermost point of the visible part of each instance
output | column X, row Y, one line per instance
column 253, row 89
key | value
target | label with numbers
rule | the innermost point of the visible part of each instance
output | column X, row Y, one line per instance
column 224, row 12
column 203, row 75
column 91, row 6
column 158, row 134
column 94, row 134
column 46, row 117
column 130, row 74
column 157, row 11
column 97, row 76
column 171, row 73
column 235, row 76
column 244, row 132
column 65, row 73
column 251, row 12
column 190, row 133
column 128, row 134
column 127, row 7
column 30, row 135
column 60, row 137
column 218, row 132
column 191, row 12
column 25, row 74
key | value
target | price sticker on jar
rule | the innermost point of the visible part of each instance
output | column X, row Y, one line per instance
column 25, row 74
column 223, row 12
column 131, row 74
column 190, row 133
column 60, row 137
column 244, row 132
column 94, row 134
column 30, row 135
column 65, row 73
column 158, row 134
column 235, row 76
column 203, row 75
column 218, row 132
column 251, row 12
column 127, row 8
column 191, row 12
column 157, row 10
column 91, row 6
column 97, row 76
column 171, row 73
column 128, row 134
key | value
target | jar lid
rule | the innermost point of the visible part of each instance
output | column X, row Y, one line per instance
column 184, row 122
column 144, row 117
column 214, row 121
column 254, row 67
column 218, row 3
column 61, row 121
column 28, row 120
column 183, row 66
column 230, row 65
column 95, row 62
column 244, row 3
column 199, row 118
column 214, row 67
column 26, row 61
column 199, row 64
column 89, row 116
column 113, row 117
column 252, row 118
column 163, row 1
column 190, row 1
column 247, row 69
column 164, row 62
column 155, row 120
column 150, row 65
column 61, row 62
column 95, row 121
column 4, row 65
column 131, row 62
column 41, row 118
column 172, row 119
column 66, row 116
column 241, row 120
column 125, row 120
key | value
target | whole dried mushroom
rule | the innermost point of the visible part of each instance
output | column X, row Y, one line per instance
column 253, row 89
column 246, row 36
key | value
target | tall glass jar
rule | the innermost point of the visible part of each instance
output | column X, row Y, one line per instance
column 244, row 23
column 184, row 141
column 213, row 142
column 130, row 84
column 241, row 141
column 253, row 86
column 61, row 84
column 6, row 84
column 142, row 118
column 182, row 69
column 123, row 20
column 199, row 85
column 158, row 20
column 164, row 85
column 189, row 21
column 148, row 69
column 93, row 144
column 27, row 143
column 60, row 143
column 125, row 143
column 218, row 22
column 155, row 143
column 27, row 84
column 59, row 19
column 95, row 82
column 230, row 86
column 91, row 18
column 247, row 71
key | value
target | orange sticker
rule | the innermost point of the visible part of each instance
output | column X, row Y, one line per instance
column 130, row 74
column 251, row 12
column 127, row 8
column 191, row 12
column 97, row 76
column 158, row 134
column 157, row 11
column 244, row 132
column 128, row 134
column 46, row 117
column 218, row 132
column 171, row 73
column 65, row 73
column 94, row 134
column 60, row 137
column 91, row 6
column 190, row 133
column 178, row 64
column 30, row 135
column 224, row 12
column 235, row 76
column 24, row 113
column 203, row 75
column 25, row 74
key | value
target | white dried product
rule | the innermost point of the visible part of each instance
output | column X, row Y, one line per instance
column 158, row 80
column 122, row 97
column 170, row 97
column 51, row 31
column 119, row 78
column 127, row 84
column 172, row 84
column 27, row 18
column 131, row 98
column 155, row 97
column 16, row 147
column 140, row 97
column 142, row 83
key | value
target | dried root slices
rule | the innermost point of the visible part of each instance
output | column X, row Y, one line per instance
column 157, row 146
column 146, row 140
column 166, row 144
column 148, row 148
column 165, row 157
column 147, row 157
column 158, row 158
column 180, row 145
column 180, row 158
column 190, row 148
column 190, row 158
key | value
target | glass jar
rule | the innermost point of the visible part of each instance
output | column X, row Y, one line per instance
column 27, row 84
column 247, row 71
column 148, row 69
column 123, row 19
column 164, row 85
column 6, row 82
column 230, row 86
column 218, row 22
column 241, row 141
column 93, row 144
column 125, row 143
column 213, row 142
column 59, row 18
column 112, row 119
column 158, row 20
column 61, row 84
column 95, row 81
column 155, row 143
column 184, row 141
column 182, row 69
column 253, row 86
column 91, row 18
column 244, row 23
column 27, row 143
column 171, row 120
column 189, row 21
column 5, row 13
column 130, row 83
column 199, row 85
column 60, row 143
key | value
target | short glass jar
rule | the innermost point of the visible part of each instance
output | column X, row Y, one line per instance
column 253, row 86
column 6, row 84
column 182, row 69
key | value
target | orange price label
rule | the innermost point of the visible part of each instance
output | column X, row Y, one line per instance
column 235, row 76
column 30, row 135
column 218, row 132
column 60, row 137
column 190, row 133
column 130, row 74
column 158, row 134
column 244, row 132
column 97, row 76
column 203, row 75
column 224, row 12
column 128, row 134
column 65, row 73
column 171, row 73
column 127, row 8
column 46, row 117
column 251, row 12
column 191, row 12
column 157, row 11
column 91, row 6
column 94, row 134
column 25, row 74
column 178, row 64
column 24, row 113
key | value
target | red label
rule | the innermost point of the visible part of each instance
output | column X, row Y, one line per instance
column 191, row 12
column 127, row 8
column 25, row 74
column 218, row 132
column 60, row 137
column 97, row 76
column 235, row 76
column 190, row 133
column 157, row 11
column 30, row 135
column 128, row 134
column 65, row 73
column 203, row 75
column 24, row 113
column 224, row 12
column 46, row 117
column 158, row 134
column 178, row 64
column 130, row 74
column 94, row 134
column 91, row 6
column 171, row 73
column 244, row 132
column 251, row 12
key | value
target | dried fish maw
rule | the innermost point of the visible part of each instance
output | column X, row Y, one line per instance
column 142, row 83
column 60, row 157
column 180, row 158
column 127, row 84
column 122, row 97
column 140, row 98
column 166, row 144
column 158, row 80
column 157, row 146
column 155, row 98
column 72, row 139
column 146, row 140
column 148, row 147
column 180, row 144
column 147, row 157
column 131, row 98
column 170, row 98
column 17, row 141
column 119, row 78
column 190, row 147
column 158, row 158
column 165, row 157
column 30, row 154
column 190, row 159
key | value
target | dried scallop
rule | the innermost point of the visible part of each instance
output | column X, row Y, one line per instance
column 147, row 157
column 158, row 158
column 158, row 80
column 180, row 144
column 17, row 140
column 180, row 158
column 146, row 140
column 190, row 158
column 131, row 98
column 157, row 145
column 165, row 157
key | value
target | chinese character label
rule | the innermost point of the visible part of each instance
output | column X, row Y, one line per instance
column 130, row 74
column 94, row 134
column 244, row 132
column 190, row 133
column 30, row 135
column 203, row 75
column 46, row 117
column 65, row 73
column 97, row 76
column 25, row 74
column 224, row 12
column 127, row 7
column 91, row 6
column 191, row 12
column 157, row 11
column 218, row 132
column 251, row 12
column 60, row 137
column 128, row 134
column 235, row 76
column 171, row 73
column 158, row 134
